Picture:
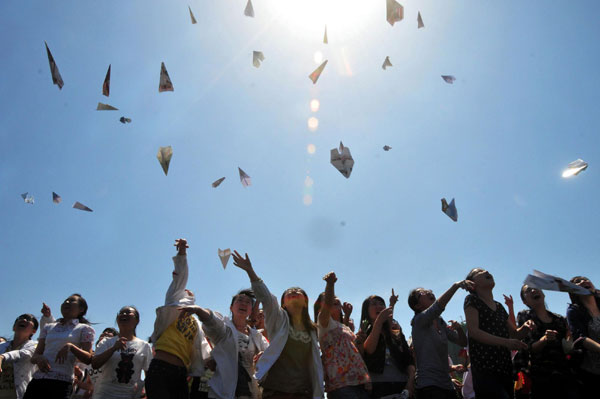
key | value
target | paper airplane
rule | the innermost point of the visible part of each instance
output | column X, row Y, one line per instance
column 106, row 84
column 165, row 82
column 192, row 15
column 448, row 78
column 224, row 255
column 27, row 198
column 386, row 148
column 56, row 78
column 544, row 281
column 325, row 40
column 342, row 160
column 56, row 198
column 217, row 182
column 249, row 11
column 105, row 107
column 257, row 57
column 164, row 157
column 124, row 120
column 80, row 206
column 420, row 23
column 574, row 168
column 386, row 63
column 394, row 11
column 317, row 72
column 244, row 178
column 450, row 209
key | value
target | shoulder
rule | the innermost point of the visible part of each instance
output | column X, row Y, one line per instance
column 4, row 346
column 472, row 300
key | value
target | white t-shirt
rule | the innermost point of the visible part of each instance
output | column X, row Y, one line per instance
column 121, row 374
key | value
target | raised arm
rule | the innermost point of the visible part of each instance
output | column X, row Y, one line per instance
column 26, row 352
column 371, row 342
column 430, row 314
column 325, row 313
column 176, row 289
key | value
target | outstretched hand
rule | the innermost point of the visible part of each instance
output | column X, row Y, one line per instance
column 46, row 312
column 508, row 300
column 241, row 262
column 181, row 245
column 330, row 278
column 393, row 298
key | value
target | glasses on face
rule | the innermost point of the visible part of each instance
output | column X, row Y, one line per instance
column 241, row 299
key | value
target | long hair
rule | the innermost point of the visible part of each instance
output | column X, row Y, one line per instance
column 306, row 321
column 318, row 305
column 575, row 299
column 137, row 317
column 365, row 321
column 83, row 308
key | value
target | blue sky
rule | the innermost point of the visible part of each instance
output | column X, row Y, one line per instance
column 521, row 109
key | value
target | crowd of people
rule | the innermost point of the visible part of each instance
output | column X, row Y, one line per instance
column 277, row 351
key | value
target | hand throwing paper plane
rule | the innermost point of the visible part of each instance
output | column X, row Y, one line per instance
column 105, row 107
column 574, row 168
column 56, row 198
column 544, row 281
column 386, row 148
column 342, row 160
column 217, row 182
column 448, row 79
column 224, row 255
column 106, row 84
column 386, row 63
column 80, row 206
column 164, row 157
column 244, row 178
column 56, row 78
column 257, row 57
column 394, row 12
column 165, row 82
column 325, row 40
column 124, row 120
column 420, row 23
column 27, row 198
column 317, row 72
column 192, row 15
column 450, row 209
column 249, row 10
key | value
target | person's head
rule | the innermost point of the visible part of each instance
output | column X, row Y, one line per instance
column 295, row 302
column 242, row 304
column 371, row 308
column 335, row 311
column 108, row 332
column 74, row 307
column 128, row 318
column 3, row 339
column 482, row 278
column 420, row 299
column 260, row 319
column 532, row 297
column 583, row 282
column 317, row 305
column 25, row 326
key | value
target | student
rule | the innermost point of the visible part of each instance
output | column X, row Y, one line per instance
column 345, row 371
column 491, row 338
column 290, row 368
column 430, row 340
column 235, row 344
column 16, row 370
column 60, row 344
column 583, row 315
column 177, row 341
column 122, row 359
column 384, row 349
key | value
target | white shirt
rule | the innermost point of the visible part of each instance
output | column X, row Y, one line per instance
column 121, row 374
column 20, row 359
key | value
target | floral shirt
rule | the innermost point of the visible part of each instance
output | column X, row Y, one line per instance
column 342, row 363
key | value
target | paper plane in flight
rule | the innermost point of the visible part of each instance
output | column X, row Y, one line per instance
column 450, row 209
column 164, row 157
column 342, row 160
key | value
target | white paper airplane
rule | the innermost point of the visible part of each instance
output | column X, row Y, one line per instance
column 574, row 168
column 342, row 160
column 244, row 178
column 544, row 281
column 56, row 198
column 164, row 157
column 420, row 23
column 249, row 10
column 450, row 209
column 317, row 72
column 257, row 57
column 448, row 79
column 165, row 83
column 224, row 255
column 394, row 12
column 80, row 206
column 386, row 63
column 28, row 198
column 192, row 15
column 105, row 107
column 56, row 78
column 106, row 84
column 217, row 182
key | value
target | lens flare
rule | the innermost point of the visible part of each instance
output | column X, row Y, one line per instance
column 307, row 199
column 313, row 124
column 308, row 182
column 318, row 57
column 311, row 149
column 315, row 105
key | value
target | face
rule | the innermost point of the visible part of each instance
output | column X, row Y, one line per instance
column 24, row 327
column 336, row 309
column 375, row 307
column 585, row 283
column 483, row 279
column 533, row 297
column 105, row 334
column 242, row 306
column 70, row 308
column 294, row 297
column 127, row 318
column 426, row 299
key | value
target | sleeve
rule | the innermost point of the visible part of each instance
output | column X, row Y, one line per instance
column 274, row 314
column 148, row 356
column 215, row 328
column 176, row 289
column 45, row 321
column 576, row 323
column 45, row 331
column 426, row 317
column 471, row 300
column 104, row 345
column 263, row 343
column 321, row 330
column 26, row 352
column 87, row 334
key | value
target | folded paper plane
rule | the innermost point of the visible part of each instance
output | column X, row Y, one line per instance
column 164, row 157
column 448, row 79
column 80, row 206
column 315, row 75
column 106, row 84
column 574, row 168
column 420, row 23
column 325, row 40
column 342, row 160
column 192, row 15
column 450, row 209
column 165, row 82
column 224, row 254
column 28, row 198
column 56, row 198
column 257, row 57
column 544, row 281
column 105, row 107
column 56, row 78
column 124, row 120
column 386, row 63
column 394, row 11
column 386, row 148
column 244, row 178
column 217, row 182
column 249, row 10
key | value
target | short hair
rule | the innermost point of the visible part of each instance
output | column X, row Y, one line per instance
column 247, row 292
column 31, row 318
column 413, row 298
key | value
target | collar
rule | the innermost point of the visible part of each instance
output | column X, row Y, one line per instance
column 72, row 322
